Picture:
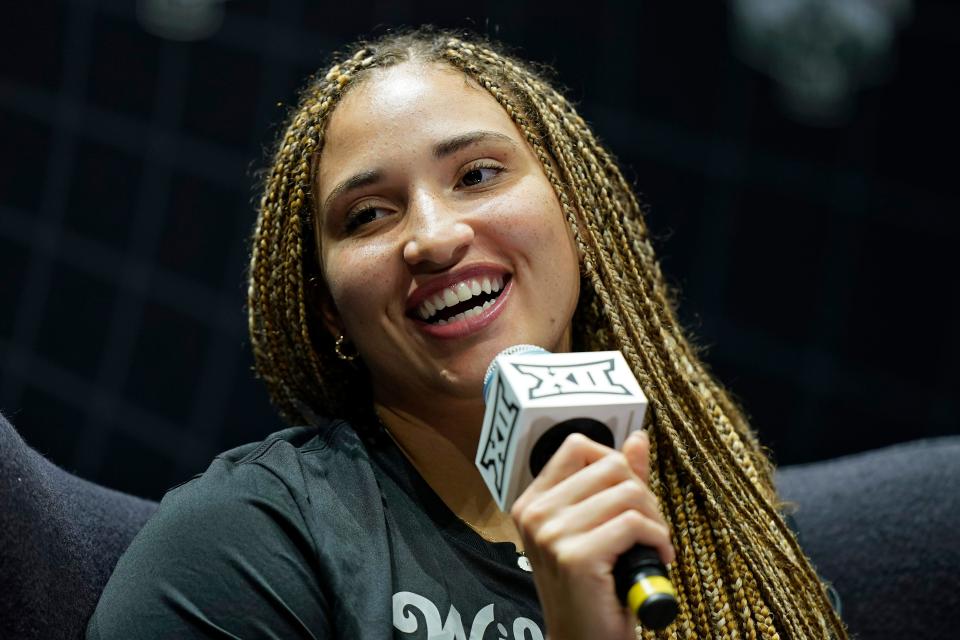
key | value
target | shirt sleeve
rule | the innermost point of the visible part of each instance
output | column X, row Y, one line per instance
column 228, row 555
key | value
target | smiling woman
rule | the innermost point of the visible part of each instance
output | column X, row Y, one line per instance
column 432, row 202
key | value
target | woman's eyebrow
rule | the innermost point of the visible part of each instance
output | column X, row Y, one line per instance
column 454, row 144
column 357, row 181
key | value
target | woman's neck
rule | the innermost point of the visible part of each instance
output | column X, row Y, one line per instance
column 444, row 454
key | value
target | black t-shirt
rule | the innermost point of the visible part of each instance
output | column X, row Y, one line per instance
column 314, row 533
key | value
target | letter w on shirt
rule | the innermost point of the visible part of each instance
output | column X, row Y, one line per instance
column 405, row 621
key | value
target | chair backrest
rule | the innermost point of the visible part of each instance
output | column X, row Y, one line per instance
column 884, row 528
column 60, row 537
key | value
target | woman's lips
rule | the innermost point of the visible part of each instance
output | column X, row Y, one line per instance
column 468, row 325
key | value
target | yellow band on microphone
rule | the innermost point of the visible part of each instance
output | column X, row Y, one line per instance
column 646, row 587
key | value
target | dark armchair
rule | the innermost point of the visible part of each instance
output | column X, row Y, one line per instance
column 60, row 538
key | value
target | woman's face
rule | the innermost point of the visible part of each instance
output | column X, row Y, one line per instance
column 441, row 239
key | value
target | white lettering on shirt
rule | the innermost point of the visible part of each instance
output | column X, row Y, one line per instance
column 406, row 621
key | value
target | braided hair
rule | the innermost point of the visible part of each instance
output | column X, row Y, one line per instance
column 739, row 571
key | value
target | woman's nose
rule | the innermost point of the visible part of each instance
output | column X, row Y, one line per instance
column 438, row 236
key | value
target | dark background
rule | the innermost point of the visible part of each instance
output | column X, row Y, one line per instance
column 814, row 251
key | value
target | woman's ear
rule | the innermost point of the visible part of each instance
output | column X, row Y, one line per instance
column 323, row 308
column 322, row 305
column 331, row 317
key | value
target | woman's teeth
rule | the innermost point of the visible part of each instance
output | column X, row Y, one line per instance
column 469, row 313
column 458, row 293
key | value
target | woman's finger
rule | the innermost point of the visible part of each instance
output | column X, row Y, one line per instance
column 581, row 467
column 637, row 450
column 606, row 472
column 605, row 505
column 577, row 452
column 614, row 537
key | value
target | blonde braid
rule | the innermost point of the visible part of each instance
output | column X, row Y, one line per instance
column 739, row 571
column 738, row 594
column 684, row 541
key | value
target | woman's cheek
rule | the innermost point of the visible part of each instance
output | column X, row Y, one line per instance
column 349, row 268
column 361, row 285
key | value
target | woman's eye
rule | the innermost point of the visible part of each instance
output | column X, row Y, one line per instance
column 478, row 175
column 357, row 219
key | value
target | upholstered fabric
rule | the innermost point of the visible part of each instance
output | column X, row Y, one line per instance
column 884, row 528
column 59, row 540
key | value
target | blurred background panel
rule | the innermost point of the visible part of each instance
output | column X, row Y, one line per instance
column 796, row 158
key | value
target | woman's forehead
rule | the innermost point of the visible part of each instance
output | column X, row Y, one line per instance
column 406, row 78
column 413, row 97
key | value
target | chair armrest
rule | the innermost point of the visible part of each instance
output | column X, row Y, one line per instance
column 884, row 528
column 60, row 539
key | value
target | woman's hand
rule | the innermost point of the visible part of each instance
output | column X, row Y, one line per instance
column 589, row 504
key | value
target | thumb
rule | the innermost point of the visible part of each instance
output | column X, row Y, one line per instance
column 637, row 451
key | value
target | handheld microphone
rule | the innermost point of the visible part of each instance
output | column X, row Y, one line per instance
column 534, row 400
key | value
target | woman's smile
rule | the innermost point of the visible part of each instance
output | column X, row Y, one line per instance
column 441, row 240
column 460, row 303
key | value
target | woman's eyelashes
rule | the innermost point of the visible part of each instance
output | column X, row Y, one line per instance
column 365, row 214
column 480, row 173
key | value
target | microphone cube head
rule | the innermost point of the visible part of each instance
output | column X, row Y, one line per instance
column 535, row 399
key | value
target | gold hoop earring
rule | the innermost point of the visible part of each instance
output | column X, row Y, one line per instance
column 338, row 349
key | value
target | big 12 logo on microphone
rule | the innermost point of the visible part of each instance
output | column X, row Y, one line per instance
column 565, row 379
column 530, row 393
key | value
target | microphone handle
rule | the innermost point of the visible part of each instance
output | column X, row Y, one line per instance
column 643, row 587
